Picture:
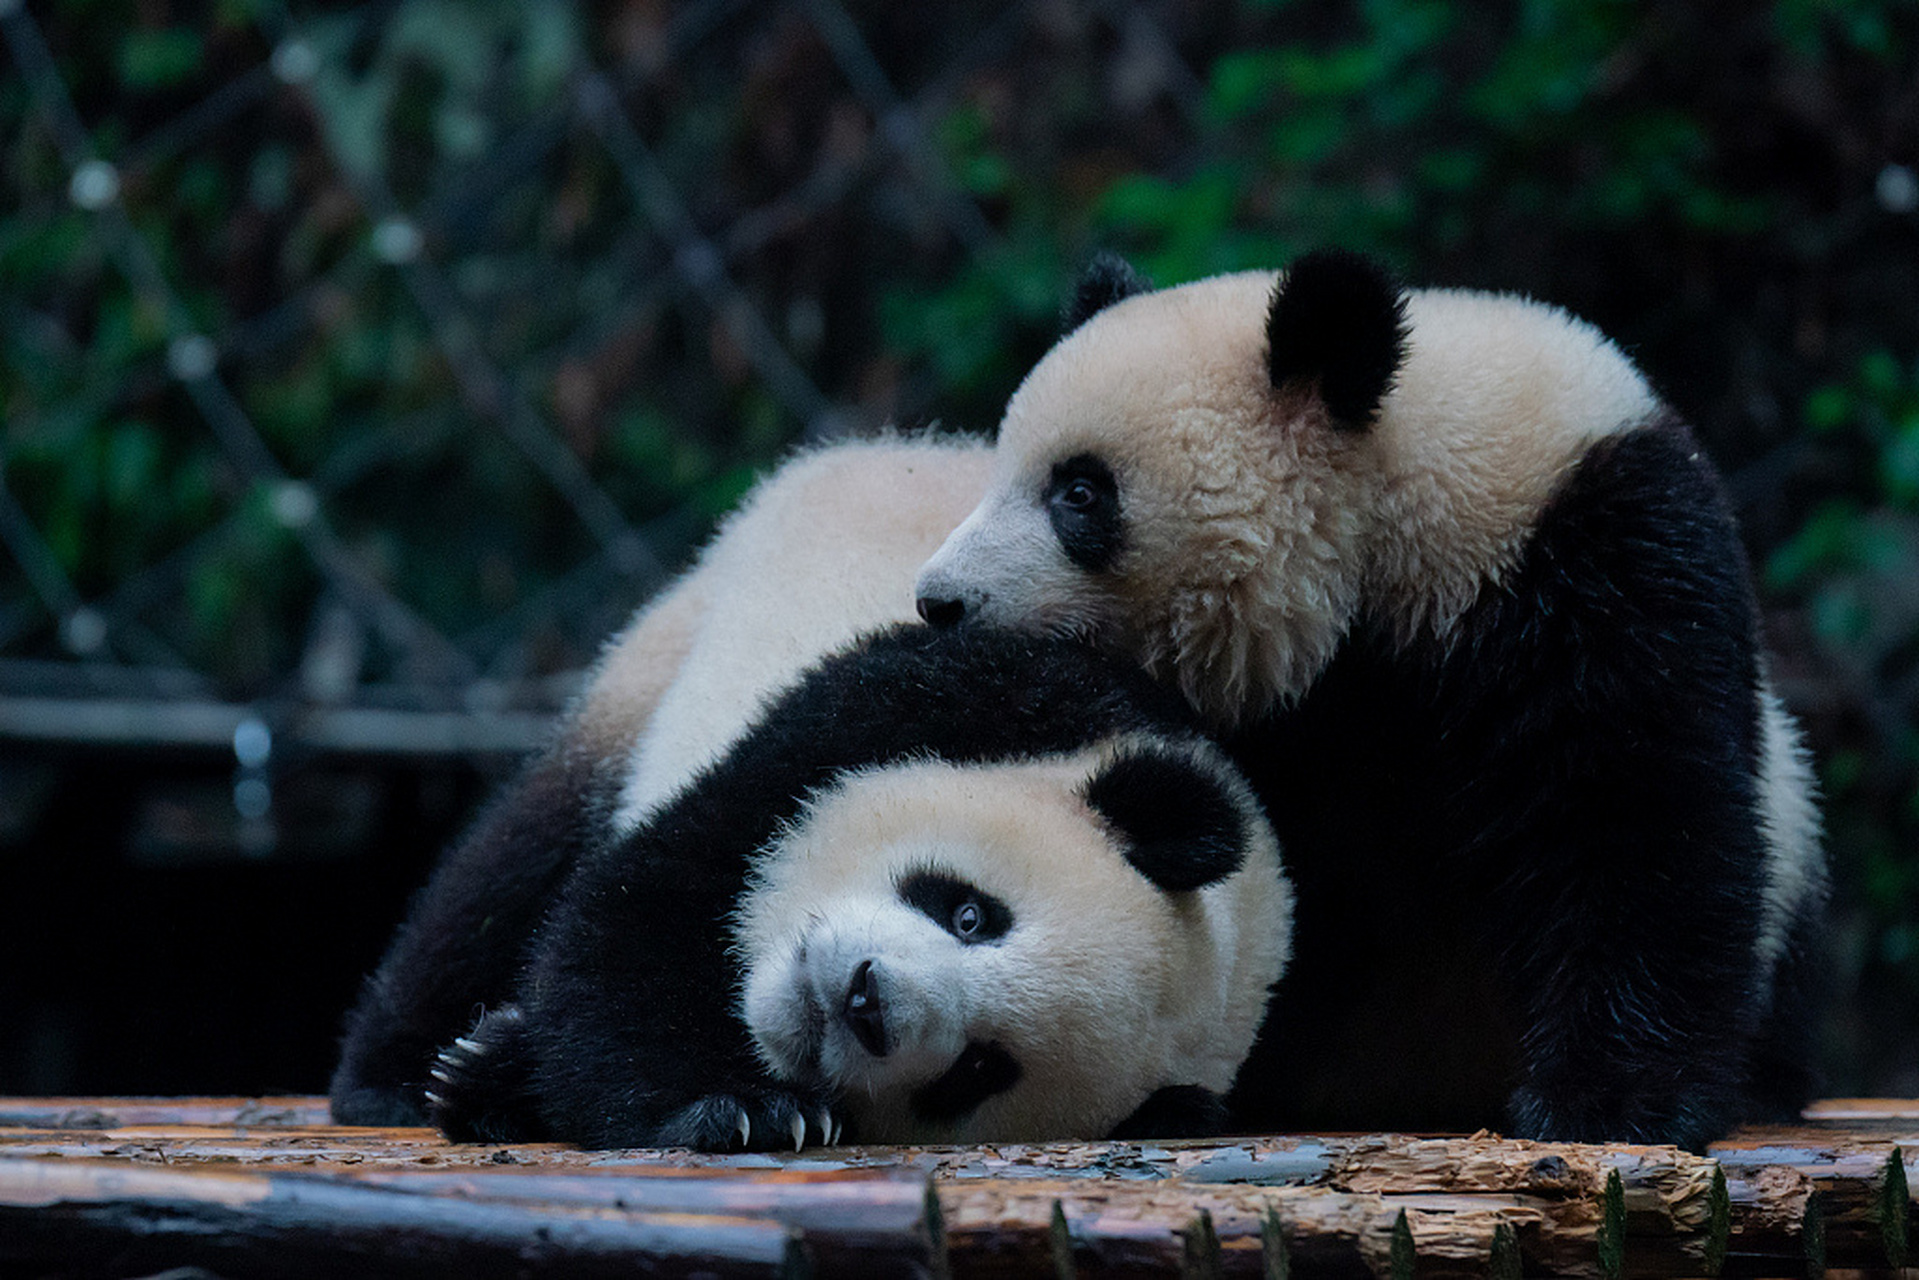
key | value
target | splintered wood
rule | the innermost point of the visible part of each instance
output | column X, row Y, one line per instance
column 265, row 1187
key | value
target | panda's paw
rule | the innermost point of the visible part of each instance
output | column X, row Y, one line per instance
column 480, row 1088
column 1688, row 1117
column 752, row 1120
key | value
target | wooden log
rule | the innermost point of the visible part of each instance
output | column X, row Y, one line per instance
column 275, row 1221
column 1776, row 1201
column 1013, row 1228
column 1856, row 1192
column 88, row 1218
column 1669, row 1211
column 851, row 1221
column 1850, row 1111
column 112, row 1113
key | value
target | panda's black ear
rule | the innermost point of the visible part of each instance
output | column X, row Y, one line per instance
column 1174, row 812
column 1107, row 279
column 1338, row 320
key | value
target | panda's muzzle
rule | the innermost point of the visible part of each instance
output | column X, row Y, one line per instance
column 863, row 1012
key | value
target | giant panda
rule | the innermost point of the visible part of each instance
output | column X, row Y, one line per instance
column 1469, row 601
column 794, row 872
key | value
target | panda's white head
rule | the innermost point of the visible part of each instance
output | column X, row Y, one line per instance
column 1016, row 950
column 1187, row 477
column 1219, row 480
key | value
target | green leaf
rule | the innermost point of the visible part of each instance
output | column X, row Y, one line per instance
column 131, row 466
column 1827, row 408
column 1839, row 616
column 1841, row 771
column 158, row 59
column 1244, row 82
column 1830, row 538
column 1880, row 374
column 1899, row 468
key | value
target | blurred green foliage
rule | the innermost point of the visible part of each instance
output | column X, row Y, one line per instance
column 1726, row 187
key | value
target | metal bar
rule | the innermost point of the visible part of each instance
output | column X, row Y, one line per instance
column 335, row 730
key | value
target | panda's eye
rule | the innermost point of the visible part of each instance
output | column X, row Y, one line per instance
column 1082, row 501
column 963, row 909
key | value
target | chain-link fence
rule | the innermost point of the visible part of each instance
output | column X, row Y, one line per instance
column 362, row 368
column 415, row 343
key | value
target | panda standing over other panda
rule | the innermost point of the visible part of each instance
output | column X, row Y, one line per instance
column 1470, row 601
column 794, row 869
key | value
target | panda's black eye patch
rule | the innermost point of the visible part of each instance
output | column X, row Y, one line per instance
column 1082, row 501
column 966, row 911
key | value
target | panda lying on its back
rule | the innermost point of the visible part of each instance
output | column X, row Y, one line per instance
column 1473, row 601
column 942, row 887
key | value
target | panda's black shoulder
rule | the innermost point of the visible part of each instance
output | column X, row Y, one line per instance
column 972, row 694
column 967, row 696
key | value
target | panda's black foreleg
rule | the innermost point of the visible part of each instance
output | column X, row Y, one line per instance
column 464, row 936
column 1600, row 719
column 481, row 1087
column 628, row 1008
column 1627, row 936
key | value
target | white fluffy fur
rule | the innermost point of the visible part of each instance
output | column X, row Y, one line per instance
column 822, row 552
column 1105, row 989
column 1255, row 532
column 1789, row 815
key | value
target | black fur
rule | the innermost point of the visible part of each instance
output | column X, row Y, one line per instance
column 1082, row 503
column 1177, row 1111
column 981, row 1071
column 1527, row 866
column 461, row 944
column 1338, row 321
column 627, row 1033
column 1180, row 829
column 1108, row 278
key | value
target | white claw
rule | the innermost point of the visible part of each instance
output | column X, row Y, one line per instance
column 469, row 1044
column 439, row 1073
column 824, row 1122
column 746, row 1129
column 799, row 1132
column 834, row 1141
column 435, row 1099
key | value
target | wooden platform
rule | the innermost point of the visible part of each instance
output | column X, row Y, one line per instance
column 264, row 1187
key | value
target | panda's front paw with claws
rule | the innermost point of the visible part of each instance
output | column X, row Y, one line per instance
column 769, row 1120
column 480, row 1089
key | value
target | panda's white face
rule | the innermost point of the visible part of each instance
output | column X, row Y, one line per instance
column 1153, row 491
column 1173, row 479
column 962, row 953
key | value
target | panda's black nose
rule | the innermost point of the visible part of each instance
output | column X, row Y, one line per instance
column 863, row 1013
column 941, row 611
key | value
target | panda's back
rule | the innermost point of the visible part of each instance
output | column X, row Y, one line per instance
column 784, row 586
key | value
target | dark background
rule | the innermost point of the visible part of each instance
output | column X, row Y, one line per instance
column 362, row 366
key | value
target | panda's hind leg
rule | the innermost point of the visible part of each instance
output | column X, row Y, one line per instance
column 1783, row 1076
